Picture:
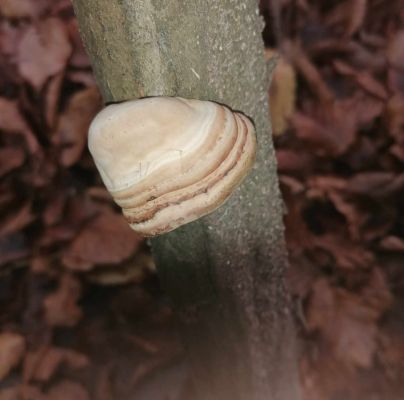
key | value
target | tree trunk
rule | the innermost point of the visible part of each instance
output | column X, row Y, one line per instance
column 224, row 272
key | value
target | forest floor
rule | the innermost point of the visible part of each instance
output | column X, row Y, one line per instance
column 81, row 320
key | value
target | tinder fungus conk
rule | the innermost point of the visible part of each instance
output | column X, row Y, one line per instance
column 168, row 161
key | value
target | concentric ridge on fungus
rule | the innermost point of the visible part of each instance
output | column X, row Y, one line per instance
column 168, row 161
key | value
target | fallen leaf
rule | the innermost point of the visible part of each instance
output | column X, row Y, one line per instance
column 398, row 152
column 365, row 108
column 106, row 239
column 395, row 56
column 41, row 365
column 104, row 387
column 82, row 77
column 10, row 36
column 67, row 390
column 22, row 392
column 376, row 184
column 53, row 90
column 17, row 220
column 135, row 270
column 43, row 51
column 394, row 117
column 294, row 186
column 61, row 308
column 308, row 70
column 13, row 248
column 10, row 116
column 331, row 131
column 11, row 120
column 72, row 130
column 392, row 243
column 350, row 14
column 294, row 161
column 11, row 393
column 21, row 8
column 363, row 78
column 282, row 95
column 357, row 16
column 53, row 212
column 352, row 213
column 79, row 58
column 348, row 320
column 10, row 159
column 346, row 255
column 12, row 348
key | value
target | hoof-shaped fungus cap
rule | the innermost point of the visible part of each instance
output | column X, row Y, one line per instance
column 168, row 161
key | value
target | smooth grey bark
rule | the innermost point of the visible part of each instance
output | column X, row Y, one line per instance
column 224, row 272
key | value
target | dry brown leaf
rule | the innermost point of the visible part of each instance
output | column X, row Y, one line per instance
column 331, row 132
column 331, row 129
column 363, row 78
column 350, row 14
column 17, row 220
column 43, row 51
column 21, row 8
column 357, row 16
column 282, row 95
column 71, row 133
column 391, row 352
column 397, row 150
column 10, row 36
column 308, row 70
column 41, row 365
column 395, row 56
column 99, row 193
column 30, row 392
column 346, row 254
column 61, row 307
column 13, row 248
column 301, row 276
column 376, row 293
column 55, row 234
column 322, row 185
column 354, row 217
column 43, row 170
column 104, row 387
column 53, row 212
column 294, row 161
column 10, row 394
column 394, row 117
column 82, row 77
column 79, row 58
column 334, row 189
column 392, row 243
column 366, row 108
column 293, row 185
column 11, row 120
column 317, row 136
column 348, row 321
column 12, row 348
column 10, row 116
column 299, row 237
column 135, row 270
column 376, row 184
column 107, row 239
column 22, row 392
column 10, row 159
column 52, row 98
column 67, row 390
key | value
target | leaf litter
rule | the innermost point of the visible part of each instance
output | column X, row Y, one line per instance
column 81, row 312
column 340, row 161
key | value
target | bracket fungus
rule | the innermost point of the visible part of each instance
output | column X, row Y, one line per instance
column 168, row 161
